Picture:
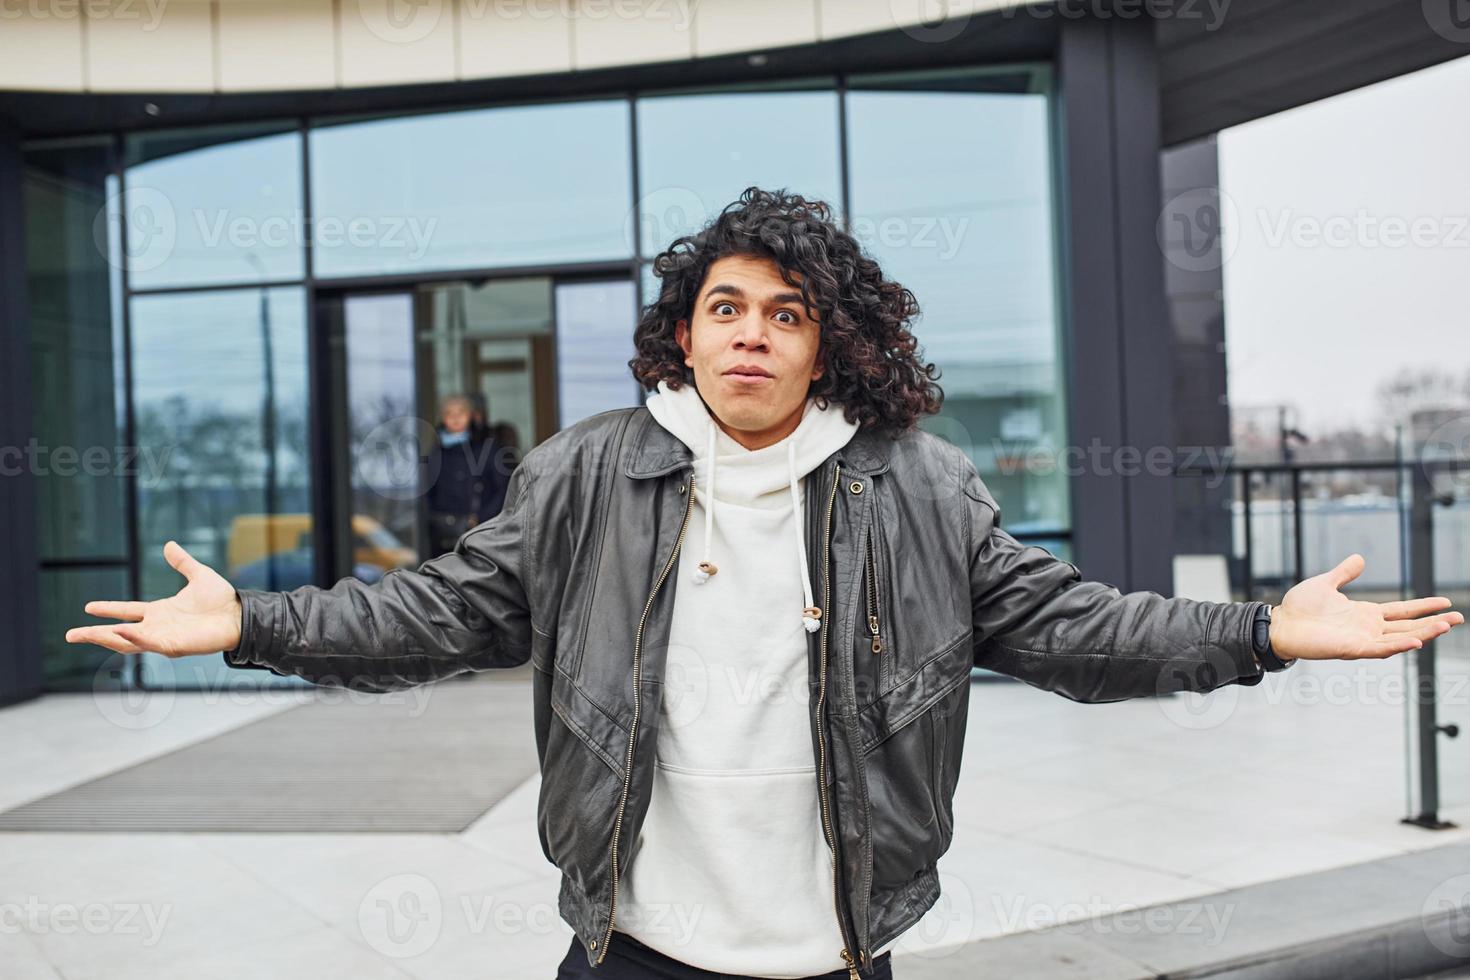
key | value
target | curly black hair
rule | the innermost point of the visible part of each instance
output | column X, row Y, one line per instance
column 873, row 365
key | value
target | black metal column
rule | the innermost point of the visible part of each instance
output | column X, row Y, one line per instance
column 1117, row 333
column 20, row 643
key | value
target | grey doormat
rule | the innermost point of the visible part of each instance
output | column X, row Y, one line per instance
column 432, row 759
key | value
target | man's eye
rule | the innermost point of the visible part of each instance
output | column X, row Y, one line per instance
column 790, row 317
column 720, row 309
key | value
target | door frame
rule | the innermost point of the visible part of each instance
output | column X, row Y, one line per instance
column 328, row 434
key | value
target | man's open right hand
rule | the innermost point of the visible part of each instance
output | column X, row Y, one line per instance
column 204, row 617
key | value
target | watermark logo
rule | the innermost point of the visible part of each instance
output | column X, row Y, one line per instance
column 663, row 215
column 929, row 21
column 399, row 21
column 947, row 925
column 1448, row 443
column 1191, row 229
column 130, row 708
column 1445, row 916
column 401, row 916
column 1190, row 693
column 395, row 460
column 1450, row 19
column 147, row 229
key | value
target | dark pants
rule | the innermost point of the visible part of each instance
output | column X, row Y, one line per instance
column 628, row 959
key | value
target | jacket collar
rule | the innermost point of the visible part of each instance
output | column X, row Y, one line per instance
column 655, row 451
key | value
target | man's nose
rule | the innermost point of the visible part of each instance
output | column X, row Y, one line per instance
column 751, row 332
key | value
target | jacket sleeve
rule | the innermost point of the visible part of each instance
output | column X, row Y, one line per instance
column 1035, row 619
column 465, row 610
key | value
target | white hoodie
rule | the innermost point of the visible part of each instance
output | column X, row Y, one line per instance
column 731, row 872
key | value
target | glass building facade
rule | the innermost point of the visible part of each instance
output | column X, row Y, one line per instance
column 255, row 313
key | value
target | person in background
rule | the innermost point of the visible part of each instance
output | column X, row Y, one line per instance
column 468, row 485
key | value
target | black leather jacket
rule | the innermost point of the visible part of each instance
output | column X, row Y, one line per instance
column 918, row 584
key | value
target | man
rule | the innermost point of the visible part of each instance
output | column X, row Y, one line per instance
column 752, row 607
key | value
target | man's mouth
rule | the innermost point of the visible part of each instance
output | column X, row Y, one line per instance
column 748, row 374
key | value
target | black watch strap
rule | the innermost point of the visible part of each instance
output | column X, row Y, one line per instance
column 1261, row 640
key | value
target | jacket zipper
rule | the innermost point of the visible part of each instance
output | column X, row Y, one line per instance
column 637, row 708
column 873, row 597
column 847, row 957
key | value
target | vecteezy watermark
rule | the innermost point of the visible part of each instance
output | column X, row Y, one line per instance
column 1445, row 916
column 397, row 458
column 940, row 234
column 401, row 916
column 1096, row 916
column 930, row 21
column 404, row 915
column 148, row 13
column 412, row 21
column 154, row 228
column 1210, row 13
column 146, row 462
column 36, row 918
column 1195, row 693
column 1444, row 456
column 1199, row 230
column 1450, row 19
column 947, row 925
column 1210, row 463
column 1191, row 229
column 136, row 709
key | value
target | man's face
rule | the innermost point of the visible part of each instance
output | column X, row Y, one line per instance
column 753, row 349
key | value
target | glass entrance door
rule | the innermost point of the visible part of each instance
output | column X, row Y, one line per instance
column 519, row 357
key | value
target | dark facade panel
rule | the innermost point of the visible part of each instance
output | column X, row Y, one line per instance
column 20, row 658
column 1117, row 327
column 1265, row 56
column 1194, row 286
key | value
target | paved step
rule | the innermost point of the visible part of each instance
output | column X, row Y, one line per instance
column 1403, row 917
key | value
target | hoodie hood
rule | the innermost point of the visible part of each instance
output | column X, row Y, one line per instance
column 770, row 477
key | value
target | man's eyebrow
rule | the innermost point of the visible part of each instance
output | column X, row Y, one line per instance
column 727, row 289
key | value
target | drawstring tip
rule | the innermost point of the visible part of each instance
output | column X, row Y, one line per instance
column 811, row 618
column 703, row 572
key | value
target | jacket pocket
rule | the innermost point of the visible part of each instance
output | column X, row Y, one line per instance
column 947, row 720
column 870, row 645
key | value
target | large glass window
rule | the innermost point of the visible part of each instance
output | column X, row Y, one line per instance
column 233, row 485
column 696, row 153
column 514, row 186
column 594, row 343
column 80, row 457
column 213, row 206
column 971, row 235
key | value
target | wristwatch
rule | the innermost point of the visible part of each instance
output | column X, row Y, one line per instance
column 1261, row 641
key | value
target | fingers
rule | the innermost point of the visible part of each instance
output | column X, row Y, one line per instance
column 1391, row 646
column 1413, row 608
column 1423, row 634
column 132, row 611
column 118, row 639
column 183, row 562
column 1347, row 570
column 1409, row 625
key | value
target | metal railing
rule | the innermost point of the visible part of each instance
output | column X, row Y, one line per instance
column 1416, row 498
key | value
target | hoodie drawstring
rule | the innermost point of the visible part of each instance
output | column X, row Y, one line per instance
column 706, row 567
column 811, row 614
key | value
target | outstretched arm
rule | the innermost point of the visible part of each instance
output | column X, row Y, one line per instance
column 1037, row 620
column 465, row 610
